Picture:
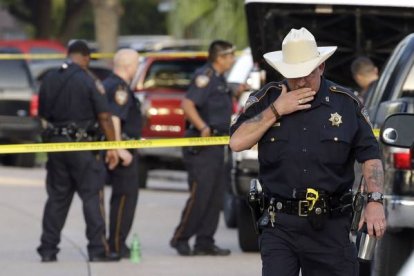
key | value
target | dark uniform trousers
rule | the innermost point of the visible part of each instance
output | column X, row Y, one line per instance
column 206, row 172
column 124, row 198
column 293, row 244
column 69, row 172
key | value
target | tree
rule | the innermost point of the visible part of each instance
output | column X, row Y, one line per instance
column 142, row 17
column 58, row 19
column 106, row 15
column 209, row 20
column 101, row 19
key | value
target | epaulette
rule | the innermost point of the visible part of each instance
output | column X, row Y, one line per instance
column 208, row 72
column 256, row 96
column 363, row 111
column 345, row 91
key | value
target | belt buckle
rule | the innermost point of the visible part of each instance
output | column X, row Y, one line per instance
column 303, row 204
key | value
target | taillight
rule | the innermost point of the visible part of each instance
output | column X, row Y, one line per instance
column 34, row 106
column 402, row 160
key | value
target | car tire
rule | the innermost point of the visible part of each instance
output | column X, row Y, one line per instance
column 25, row 160
column 393, row 251
column 248, row 239
column 230, row 210
column 142, row 173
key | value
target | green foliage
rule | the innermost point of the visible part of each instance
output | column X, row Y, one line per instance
column 142, row 17
column 208, row 20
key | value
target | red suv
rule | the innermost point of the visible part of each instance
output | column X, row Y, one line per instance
column 35, row 46
column 160, row 85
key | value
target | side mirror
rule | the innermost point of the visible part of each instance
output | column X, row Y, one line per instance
column 398, row 130
column 388, row 108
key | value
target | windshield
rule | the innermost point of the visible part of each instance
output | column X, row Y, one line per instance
column 172, row 74
column 14, row 74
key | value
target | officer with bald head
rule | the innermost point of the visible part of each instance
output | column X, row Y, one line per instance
column 126, row 118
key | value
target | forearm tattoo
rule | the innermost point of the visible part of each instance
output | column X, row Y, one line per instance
column 255, row 119
column 374, row 176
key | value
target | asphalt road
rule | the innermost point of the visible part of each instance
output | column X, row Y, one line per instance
column 22, row 196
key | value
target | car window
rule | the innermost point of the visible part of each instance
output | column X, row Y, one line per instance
column 408, row 87
column 171, row 74
column 14, row 74
column 44, row 50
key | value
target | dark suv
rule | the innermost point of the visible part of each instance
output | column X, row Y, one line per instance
column 18, row 108
column 358, row 28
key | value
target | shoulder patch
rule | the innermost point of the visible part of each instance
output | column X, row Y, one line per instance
column 364, row 113
column 121, row 96
column 256, row 96
column 235, row 118
column 201, row 81
column 250, row 101
column 99, row 86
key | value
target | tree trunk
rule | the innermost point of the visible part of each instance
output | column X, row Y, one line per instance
column 71, row 22
column 106, row 18
column 42, row 16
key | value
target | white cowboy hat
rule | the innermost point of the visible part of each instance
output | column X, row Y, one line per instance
column 299, row 55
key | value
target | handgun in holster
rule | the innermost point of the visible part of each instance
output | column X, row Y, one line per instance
column 256, row 201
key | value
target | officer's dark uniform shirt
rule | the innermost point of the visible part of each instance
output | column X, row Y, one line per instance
column 315, row 148
column 71, row 95
column 124, row 105
column 212, row 97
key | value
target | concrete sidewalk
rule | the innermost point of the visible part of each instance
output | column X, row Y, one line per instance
column 21, row 206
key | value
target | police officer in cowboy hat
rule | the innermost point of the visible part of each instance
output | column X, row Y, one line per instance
column 309, row 132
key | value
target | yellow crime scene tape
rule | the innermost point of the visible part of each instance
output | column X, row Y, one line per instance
column 130, row 144
column 104, row 145
column 103, row 55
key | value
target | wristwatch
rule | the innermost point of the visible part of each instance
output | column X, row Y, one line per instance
column 375, row 197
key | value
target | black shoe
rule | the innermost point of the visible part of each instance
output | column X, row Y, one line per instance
column 112, row 257
column 213, row 250
column 182, row 247
column 49, row 258
column 125, row 253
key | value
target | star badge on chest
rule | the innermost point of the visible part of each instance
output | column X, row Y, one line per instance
column 335, row 119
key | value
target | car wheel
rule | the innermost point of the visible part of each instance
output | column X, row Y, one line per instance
column 230, row 210
column 393, row 251
column 142, row 173
column 248, row 239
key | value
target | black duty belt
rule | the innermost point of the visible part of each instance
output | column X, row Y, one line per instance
column 311, row 201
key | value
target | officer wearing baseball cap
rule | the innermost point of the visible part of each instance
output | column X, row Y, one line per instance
column 71, row 103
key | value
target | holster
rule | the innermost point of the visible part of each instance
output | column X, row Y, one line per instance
column 318, row 215
column 255, row 201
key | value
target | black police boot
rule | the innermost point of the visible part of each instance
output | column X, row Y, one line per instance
column 212, row 250
column 125, row 253
column 182, row 247
column 111, row 257
column 49, row 258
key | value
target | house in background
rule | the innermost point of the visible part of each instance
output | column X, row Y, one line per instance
column 10, row 28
